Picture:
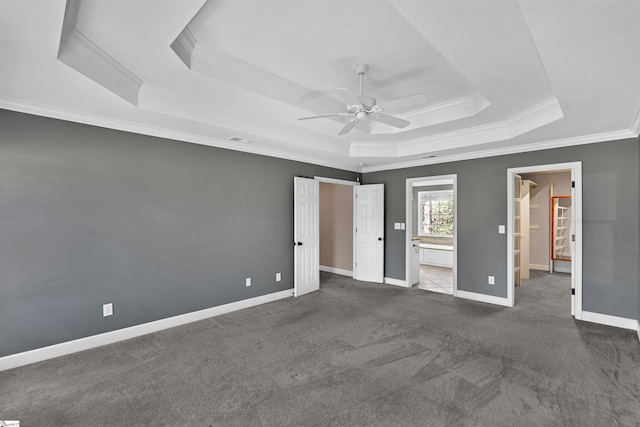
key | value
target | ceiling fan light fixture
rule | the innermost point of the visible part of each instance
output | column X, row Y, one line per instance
column 361, row 107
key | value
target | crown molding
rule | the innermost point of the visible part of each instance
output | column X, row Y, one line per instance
column 523, row 148
column 84, row 56
column 127, row 126
column 460, row 108
column 184, row 45
column 532, row 118
column 150, row 130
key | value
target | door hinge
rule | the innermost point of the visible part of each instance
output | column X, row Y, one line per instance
column 573, row 237
column 573, row 184
column 573, row 291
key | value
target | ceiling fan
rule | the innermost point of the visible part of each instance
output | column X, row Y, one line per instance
column 361, row 107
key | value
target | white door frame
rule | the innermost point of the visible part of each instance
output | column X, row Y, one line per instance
column 576, row 218
column 353, row 237
column 431, row 180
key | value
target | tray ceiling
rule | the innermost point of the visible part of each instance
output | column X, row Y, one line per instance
column 473, row 78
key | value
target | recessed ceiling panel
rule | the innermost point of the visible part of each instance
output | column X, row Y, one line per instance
column 317, row 44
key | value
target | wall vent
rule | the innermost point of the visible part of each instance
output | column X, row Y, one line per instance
column 238, row 139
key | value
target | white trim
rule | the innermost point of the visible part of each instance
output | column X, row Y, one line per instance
column 336, row 181
column 334, row 270
column 426, row 181
column 184, row 45
column 396, row 282
column 150, row 130
column 57, row 350
column 605, row 319
column 576, row 264
column 511, row 149
column 80, row 53
column 539, row 267
column 483, row 298
column 638, row 329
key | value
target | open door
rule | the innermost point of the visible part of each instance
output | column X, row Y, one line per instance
column 306, row 235
column 369, row 209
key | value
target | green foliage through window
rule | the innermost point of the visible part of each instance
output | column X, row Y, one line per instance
column 437, row 216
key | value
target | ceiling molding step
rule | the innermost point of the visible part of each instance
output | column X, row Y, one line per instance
column 184, row 45
column 532, row 118
column 155, row 131
column 84, row 56
column 228, row 69
column 373, row 149
column 515, row 149
column 69, row 21
column 456, row 109
column 546, row 112
column 635, row 123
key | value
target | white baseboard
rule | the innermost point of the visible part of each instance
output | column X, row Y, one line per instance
column 396, row 282
column 605, row 319
column 336, row 271
column 482, row 298
column 539, row 267
column 56, row 350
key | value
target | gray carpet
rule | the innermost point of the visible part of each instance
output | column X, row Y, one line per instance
column 351, row 354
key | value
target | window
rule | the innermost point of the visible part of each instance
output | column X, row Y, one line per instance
column 435, row 213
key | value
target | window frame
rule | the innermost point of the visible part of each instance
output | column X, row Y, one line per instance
column 420, row 213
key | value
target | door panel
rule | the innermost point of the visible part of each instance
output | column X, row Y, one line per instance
column 369, row 233
column 306, row 236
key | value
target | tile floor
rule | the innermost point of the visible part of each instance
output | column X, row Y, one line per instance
column 436, row 279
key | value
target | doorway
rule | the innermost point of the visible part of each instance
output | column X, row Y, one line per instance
column 431, row 233
column 544, row 239
column 367, row 232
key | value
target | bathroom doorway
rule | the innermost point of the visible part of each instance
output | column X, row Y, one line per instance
column 431, row 234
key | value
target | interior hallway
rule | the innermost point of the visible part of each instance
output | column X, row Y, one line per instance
column 353, row 353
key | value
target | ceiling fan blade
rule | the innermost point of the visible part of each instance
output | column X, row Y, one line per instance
column 349, row 97
column 323, row 116
column 350, row 125
column 391, row 121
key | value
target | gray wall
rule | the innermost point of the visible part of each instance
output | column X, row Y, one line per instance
column 610, row 220
column 158, row 227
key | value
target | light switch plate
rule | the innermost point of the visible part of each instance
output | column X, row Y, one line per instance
column 278, row 277
column 402, row 226
column 247, row 281
column 396, row 226
column 501, row 229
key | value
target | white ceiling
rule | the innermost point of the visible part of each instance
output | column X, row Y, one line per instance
column 474, row 78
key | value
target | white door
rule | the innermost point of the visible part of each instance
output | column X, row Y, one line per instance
column 306, row 235
column 369, row 205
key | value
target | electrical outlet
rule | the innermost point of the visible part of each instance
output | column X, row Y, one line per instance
column 247, row 281
column 278, row 277
column 107, row 309
column 492, row 280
